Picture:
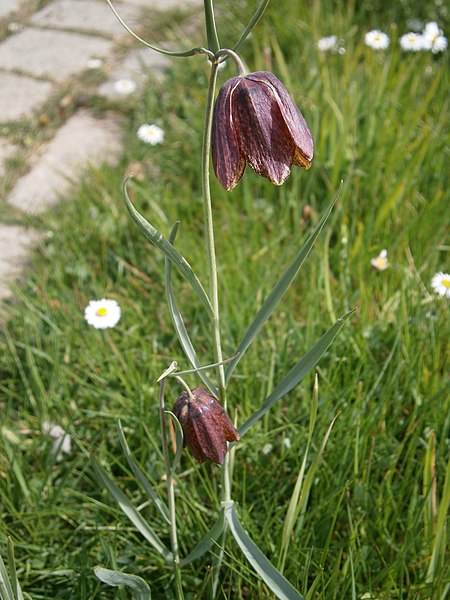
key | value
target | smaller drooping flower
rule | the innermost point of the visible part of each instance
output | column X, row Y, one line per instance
column 150, row 134
column 206, row 426
column 255, row 122
column 413, row 42
column 328, row 44
column 377, row 40
column 124, row 86
column 441, row 284
column 434, row 38
column 102, row 314
column 380, row 262
column 63, row 441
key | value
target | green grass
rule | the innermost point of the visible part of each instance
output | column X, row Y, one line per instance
column 380, row 122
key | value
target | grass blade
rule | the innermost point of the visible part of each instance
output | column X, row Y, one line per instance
column 207, row 540
column 296, row 374
column 178, row 322
column 141, row 590
column 281, row 287
column 135, row 517
column 265, row 569
column 158, row 240
column 6, row 592
column 140, row 476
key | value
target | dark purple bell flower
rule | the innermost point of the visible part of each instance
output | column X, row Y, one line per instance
column 206, row 426
column 256, row 122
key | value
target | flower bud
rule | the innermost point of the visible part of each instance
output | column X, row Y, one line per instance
column 256, row 122
column 206, row 426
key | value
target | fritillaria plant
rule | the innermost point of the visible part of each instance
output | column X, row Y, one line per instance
column 254, row 122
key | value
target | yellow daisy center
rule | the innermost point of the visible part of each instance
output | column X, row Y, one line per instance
column 446, row 283
column 102, row 312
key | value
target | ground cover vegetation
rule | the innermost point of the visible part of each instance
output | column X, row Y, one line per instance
column 372, row 524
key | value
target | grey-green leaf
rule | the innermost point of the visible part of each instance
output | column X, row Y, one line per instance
column 158, row 240
column 252, row 23
column 296, row 374
column 135, row 517
column 141, row 590
column 160, row 505
column 207, row 540
column 279, row 290
column 265, row 569
column 178, row 322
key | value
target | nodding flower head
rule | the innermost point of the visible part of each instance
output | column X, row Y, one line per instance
column 256, row 122
column 206, row 426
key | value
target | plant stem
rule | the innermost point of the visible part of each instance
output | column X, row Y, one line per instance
column 214, row 296
column 170, row 495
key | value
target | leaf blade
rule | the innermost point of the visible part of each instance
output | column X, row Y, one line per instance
column 298, row 371
column 141, row 590
column 206, row 541
column 279, row 290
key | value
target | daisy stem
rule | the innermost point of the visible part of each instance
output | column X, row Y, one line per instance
column 170, row 494
column 214, row 296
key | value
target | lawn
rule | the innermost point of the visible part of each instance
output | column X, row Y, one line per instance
column 371, row 524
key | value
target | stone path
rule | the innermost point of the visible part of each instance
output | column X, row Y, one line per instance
column 41, row 54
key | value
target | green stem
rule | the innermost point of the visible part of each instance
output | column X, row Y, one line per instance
column 211, row 31
column 170, row 495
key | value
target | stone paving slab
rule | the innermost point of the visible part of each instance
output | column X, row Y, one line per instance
column 15, row 245
column 137, row 66
column 88, row 16
column 52, row 54
column 7, row 150
column 20, row 95
column 9, row 6
column 83, row 140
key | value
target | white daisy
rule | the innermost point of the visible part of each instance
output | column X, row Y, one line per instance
column 434, row 37
column 441, row 284
column 63, row 441
column 380, row 262
column 267, row 449
column 414, row 42
column 328, row 44
column 150, row 134
column 124, row 86
column 102, row 314
column 377, row 40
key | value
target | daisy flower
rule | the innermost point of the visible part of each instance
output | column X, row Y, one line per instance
column 380, row 262
column 377, row 40
column 150, row 134
column 63, row 441
column 433, row 36
column 124, row 86
column 441, row 284
column 102, row 314
column 414, row 42
column 328, row 44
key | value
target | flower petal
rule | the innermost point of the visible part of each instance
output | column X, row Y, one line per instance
column 264, row 140
column 228, row 163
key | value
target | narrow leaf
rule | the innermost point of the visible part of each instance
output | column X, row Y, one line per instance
column 279, row 290
column 265, row 569
column 296, row 374
column 252, row 23
column 5, row 588
column 207, row 540
column 158, row 240
column 141, row 590
column 135, row 517
column 178, row 322
column 12, row 569
column 210, row 23
column 140, row 476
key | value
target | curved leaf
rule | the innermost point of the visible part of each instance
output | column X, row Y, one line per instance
column 296, row 374
column 141, row 590
column 131, row 512
column 265, row 569
column 253, row 21
column 158, row 240
column 207, row 540
column 178, row 322
column 279, row 290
